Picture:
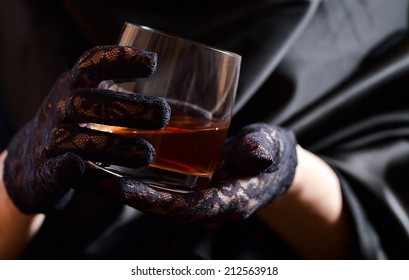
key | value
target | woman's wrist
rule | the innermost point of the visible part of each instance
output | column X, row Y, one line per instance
column 16, row 228
column 311, row 216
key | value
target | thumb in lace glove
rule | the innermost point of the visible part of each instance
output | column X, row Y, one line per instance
column 258, row 167
column 47, row 155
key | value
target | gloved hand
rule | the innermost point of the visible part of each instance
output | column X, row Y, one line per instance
column 258, row 167
column 47, row 155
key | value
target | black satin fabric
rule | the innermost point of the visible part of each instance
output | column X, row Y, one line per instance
column 335, row 72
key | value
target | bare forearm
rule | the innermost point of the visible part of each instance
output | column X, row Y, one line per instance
column 311, row 217
column 16, row 228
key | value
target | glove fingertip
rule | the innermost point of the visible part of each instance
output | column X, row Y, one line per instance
column 253, row 154
column 164, row 112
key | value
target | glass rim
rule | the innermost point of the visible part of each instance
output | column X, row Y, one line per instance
column 147, row 28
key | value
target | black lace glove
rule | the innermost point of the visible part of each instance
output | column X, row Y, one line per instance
column 259, row 166
column 46, row 156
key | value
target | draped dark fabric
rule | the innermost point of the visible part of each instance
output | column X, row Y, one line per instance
column 335, row 72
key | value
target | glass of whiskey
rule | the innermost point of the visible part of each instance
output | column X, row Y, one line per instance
column 199, row 82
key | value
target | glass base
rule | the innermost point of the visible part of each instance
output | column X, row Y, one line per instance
column 158, row 178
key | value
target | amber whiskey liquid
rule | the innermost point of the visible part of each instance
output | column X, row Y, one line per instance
column 186, row 146
column 187, row 151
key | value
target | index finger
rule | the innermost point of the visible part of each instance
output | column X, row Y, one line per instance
column 113, row 63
